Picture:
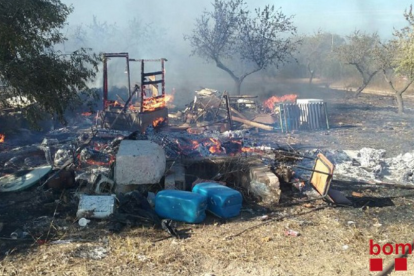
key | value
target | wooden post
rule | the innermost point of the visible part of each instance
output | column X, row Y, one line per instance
column 142, row 85
column 226, row 96
column 105, row 82
column 253, row 124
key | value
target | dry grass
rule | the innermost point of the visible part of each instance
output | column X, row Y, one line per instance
column 319, row 250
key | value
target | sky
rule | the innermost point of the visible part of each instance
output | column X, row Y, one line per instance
column 177, row 18
column 340, row 16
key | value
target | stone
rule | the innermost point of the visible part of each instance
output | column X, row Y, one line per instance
column 179, row 176
column 175, row 179
column 139, row 162
column 264, row 185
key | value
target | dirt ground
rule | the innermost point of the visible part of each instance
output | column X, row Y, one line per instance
column 332, row 240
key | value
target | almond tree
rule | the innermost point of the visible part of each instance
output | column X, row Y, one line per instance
column 397, row 58
column 241, row 42
column 359, row 51
column 316, row 52
column 386, row 55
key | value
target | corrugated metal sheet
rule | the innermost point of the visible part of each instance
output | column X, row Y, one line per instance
column 303, row 116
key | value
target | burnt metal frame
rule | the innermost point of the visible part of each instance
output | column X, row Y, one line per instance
column 144, row 82
column 230, row 120
column 250, row 97
column 106, row 56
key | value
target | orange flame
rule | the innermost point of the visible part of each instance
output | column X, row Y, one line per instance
column 157, row 122
column 152, row 104
column 86, row 113
column 2, row 136
column 169, row 98
column 155, row 103
column 114, row 103
column 270, row 103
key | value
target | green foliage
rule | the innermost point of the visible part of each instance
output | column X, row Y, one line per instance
column 31, row 67
column 241, row 42
column 404, row 44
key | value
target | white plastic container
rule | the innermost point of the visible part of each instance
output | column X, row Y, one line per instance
column 96, row 206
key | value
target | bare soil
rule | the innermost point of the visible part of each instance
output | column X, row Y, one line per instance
column 332, row 240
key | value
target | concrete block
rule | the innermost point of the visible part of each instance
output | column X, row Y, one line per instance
column 139, row 162
column 175, row 180
column 264, row 185
column 169, row 183
column 179, row 176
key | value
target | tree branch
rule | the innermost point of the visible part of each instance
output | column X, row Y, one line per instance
column 225, row 68
column 406, row 87
column 389, row 81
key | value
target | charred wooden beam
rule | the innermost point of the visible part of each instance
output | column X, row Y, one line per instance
column 253, row 124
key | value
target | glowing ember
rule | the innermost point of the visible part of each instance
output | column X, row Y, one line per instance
column 86, row 113
column 2, row 136
column 272, row 101
column 212, row 146
column 157, row 122
column 133, row 108
column 195, row 144
column 216, row 147
column 91, row 161
column 99, row 163
column 247, row 149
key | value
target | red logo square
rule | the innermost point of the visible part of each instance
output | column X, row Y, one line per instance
column 375, row 264
column 400, row 264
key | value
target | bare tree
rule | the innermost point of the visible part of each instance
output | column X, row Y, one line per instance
column 315, row 51
column 359, row 51
column 231, row 34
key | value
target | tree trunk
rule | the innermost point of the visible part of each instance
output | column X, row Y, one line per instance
column 398, row 94
column 400, row 103
column 366, row 78
column 360, row 89
column 238, row 86
column 312, row 73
